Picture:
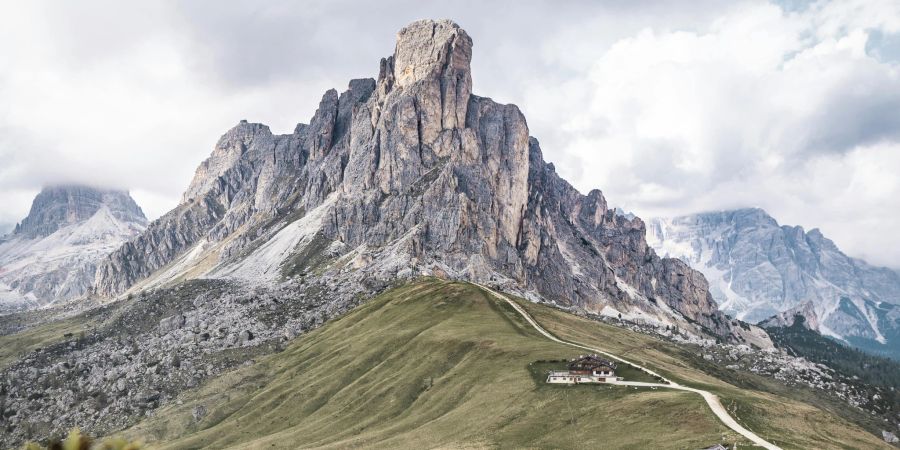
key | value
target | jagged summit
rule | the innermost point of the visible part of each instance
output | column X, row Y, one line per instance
column 228, row 150
column 429, row 49
column 57, row 206
column 406, row 175
column 437, row 54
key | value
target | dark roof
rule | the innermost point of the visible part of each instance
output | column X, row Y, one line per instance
column 589, row 362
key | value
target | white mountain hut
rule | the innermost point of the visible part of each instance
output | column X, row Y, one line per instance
column 585, row 369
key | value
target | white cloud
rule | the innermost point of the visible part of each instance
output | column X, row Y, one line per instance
column 124, row 100
column 786, row 111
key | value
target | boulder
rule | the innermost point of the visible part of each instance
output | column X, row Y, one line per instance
column 172, row 323
column 198, row 413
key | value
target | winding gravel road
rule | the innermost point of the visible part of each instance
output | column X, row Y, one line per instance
column 711, row 399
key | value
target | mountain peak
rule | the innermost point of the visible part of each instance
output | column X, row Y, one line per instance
column 52, row 254
column 428, row 49
column 787, row 318
column 229, row 149
column 411, row 175
column 436, row 50
column 59, row 205
column 752, row 214
column 759, row 270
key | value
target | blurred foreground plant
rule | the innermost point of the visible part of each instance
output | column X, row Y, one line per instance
column 77, row 441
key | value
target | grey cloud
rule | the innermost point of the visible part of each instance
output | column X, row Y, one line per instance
column 884, row 46
column 253, row 43
column 658, row 161
column 863, row 112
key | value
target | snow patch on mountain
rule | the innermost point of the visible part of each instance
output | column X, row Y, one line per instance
column 14, row 301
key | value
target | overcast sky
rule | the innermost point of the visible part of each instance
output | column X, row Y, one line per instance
column 669, row 109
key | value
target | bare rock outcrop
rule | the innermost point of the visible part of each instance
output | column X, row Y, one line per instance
column 806, row 311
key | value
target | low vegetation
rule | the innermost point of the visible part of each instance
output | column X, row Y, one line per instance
column 787, row 416
column 430, row 364
column 813, row 346
column 441, row 364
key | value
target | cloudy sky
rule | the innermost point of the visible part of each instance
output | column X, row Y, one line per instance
column 669, row 109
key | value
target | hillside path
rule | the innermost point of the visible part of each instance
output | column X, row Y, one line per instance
column 711, row 399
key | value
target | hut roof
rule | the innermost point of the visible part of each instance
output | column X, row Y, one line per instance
column 589, row 362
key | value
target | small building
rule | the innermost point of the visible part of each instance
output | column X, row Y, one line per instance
column 585, row 369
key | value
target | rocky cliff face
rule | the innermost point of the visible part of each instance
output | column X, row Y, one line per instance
column 787, row 318
column 405, row 175
column 758, row 269
column 53, row 253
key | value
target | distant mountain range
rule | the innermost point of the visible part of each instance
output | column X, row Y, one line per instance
column 53, row 253
column 759, row 270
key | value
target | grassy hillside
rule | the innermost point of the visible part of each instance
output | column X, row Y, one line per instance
column 790, row 417
column 13, row 346
column 439, row 364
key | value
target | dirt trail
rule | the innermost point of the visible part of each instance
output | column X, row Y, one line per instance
column 711, row 399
